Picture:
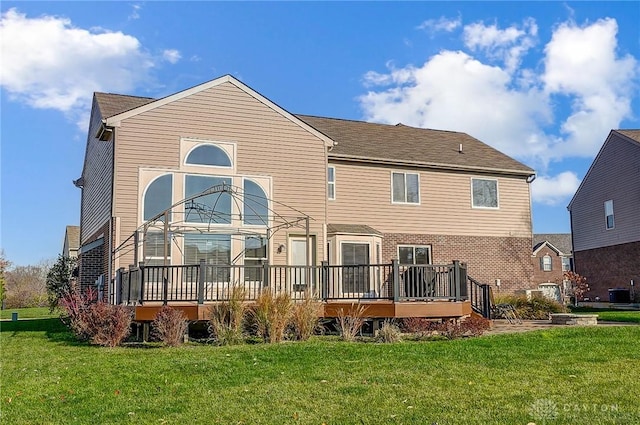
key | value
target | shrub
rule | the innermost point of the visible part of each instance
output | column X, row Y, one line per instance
column 305, row 318
column 227, row 318
column 536, row 308
column 475, row 325
column 418, row 325
column 450, row 329
column 271, row 315
column 388, row 332
column 350, row 322
column 96, row 321
column 60, row 279
column 170, row 325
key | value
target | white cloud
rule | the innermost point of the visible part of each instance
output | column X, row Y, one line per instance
column 581, row 63
column 554, row 190
column 135, row 12
column 486, row 92
column 171, row 55
column 440, row 24
column 508, row 45
column 48, row 63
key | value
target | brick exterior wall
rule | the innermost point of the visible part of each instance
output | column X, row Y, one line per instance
column 541, row 276
column 95, row 262
column 609, row 267
column 487, row 258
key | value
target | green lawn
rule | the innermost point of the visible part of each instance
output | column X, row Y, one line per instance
column 28, row 313
column 569, row 376
column 611, row 315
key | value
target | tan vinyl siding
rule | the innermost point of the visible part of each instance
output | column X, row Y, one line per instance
column 97, row 175
column 363, row 195
column 267, row 143
column 614, row 175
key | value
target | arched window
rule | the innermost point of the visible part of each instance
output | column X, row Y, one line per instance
column 157, row 197
column 256, row 204
column 208, row 155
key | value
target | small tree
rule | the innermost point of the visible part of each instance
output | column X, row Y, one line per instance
column 577, row 285
column 4, row 265
column 60, row 279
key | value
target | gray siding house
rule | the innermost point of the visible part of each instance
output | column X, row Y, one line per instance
column 605, row 219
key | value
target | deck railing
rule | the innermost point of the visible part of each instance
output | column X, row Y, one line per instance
column 480, row 297
column 206, row 282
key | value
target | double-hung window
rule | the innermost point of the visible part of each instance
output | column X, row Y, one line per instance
column 414, row 254
column 405, row 188
column 331, row 183
column 255, row 252
column 546, row 264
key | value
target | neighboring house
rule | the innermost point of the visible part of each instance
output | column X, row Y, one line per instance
column 551, row 257
column 364, row 193
column 71, row 241
column 605, row 222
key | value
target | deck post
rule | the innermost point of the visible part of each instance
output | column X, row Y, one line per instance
column 165, row 290
column 265, row 274
column 324, row 280
column 201, row 271
column 118, row 288
column 486, row 301
column 131, row 269
column 456, row 279
column 141, row 295
column 396, row 279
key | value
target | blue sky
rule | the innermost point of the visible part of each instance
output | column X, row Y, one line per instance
column 544, row 82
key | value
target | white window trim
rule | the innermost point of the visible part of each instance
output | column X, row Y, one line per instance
column 405, row 188
column 188, row 144
column 267, row 193
column 329, row 183
column 544, row 263
column 497, row 207
column 414, row 247
column 613, row 216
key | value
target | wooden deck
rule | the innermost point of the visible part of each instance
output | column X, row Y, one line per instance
column 374, row 309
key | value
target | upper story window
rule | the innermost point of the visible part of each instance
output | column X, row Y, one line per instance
column 566, row 264
column 414, row 254
column 405, row 188
column 484, row 193
column 210, row 155
column 545, row 263
column 608, row 214
column 331, row 183
column 157, row 197
column 256, row 204
column 214, row 208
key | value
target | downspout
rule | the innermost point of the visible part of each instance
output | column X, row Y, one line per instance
column 111, row 217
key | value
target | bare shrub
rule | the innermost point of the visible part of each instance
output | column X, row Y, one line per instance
column 350, row 321
column 96, row 321
column 450, row 329
column 388, row 332
column 170, row 325
column 418, row 325
column 305, row 317
column 475, row 325
column 272, row 314
column 227, row 318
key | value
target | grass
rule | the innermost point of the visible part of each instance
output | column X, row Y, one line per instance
column 28, row 313
column 590, row 374
column 611, row 315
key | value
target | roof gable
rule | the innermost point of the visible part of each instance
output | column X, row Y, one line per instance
column 114, row 120
column 560, row 242
column 631, row 136
column 111, row 104
column 401, row 144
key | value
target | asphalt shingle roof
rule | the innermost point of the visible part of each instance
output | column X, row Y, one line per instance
column 632, row 134
column 73, row 236
column 378, row 142
column 113, row 104
column 354, row 229
column 411, row 145
column 562, row 241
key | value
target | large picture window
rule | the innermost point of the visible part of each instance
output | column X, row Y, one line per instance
column 355, row 275
column 405, row 188
column 484, row 193
column 212, row 208
column 214, row 249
